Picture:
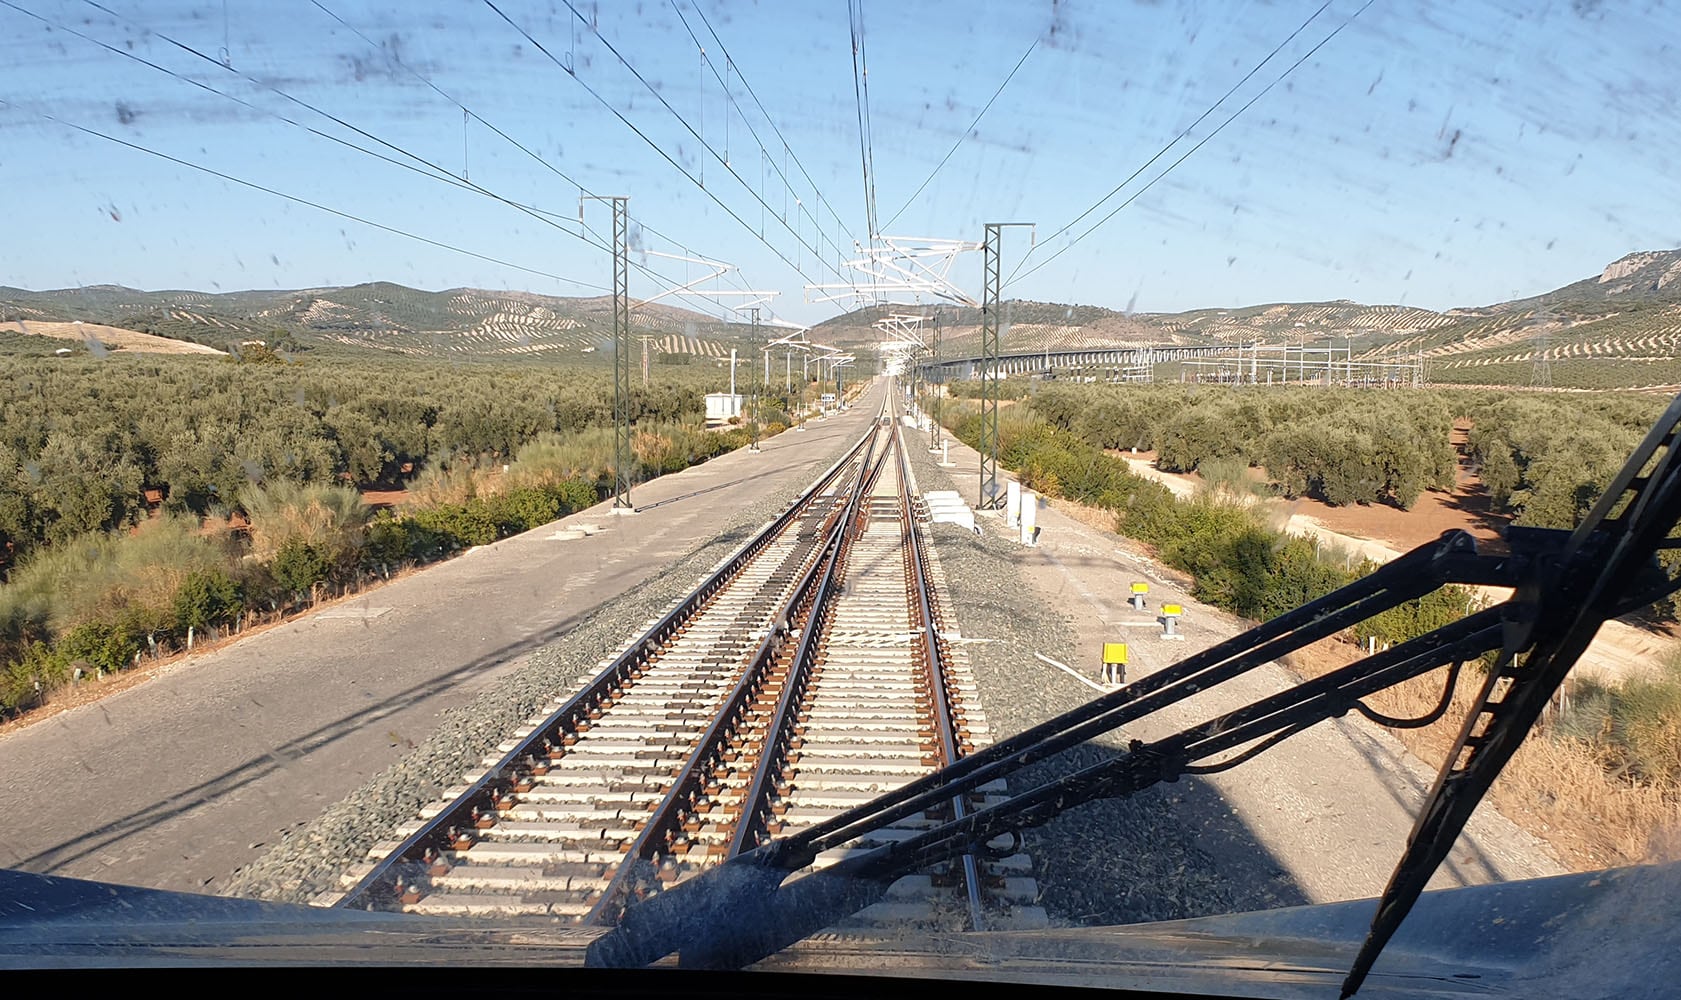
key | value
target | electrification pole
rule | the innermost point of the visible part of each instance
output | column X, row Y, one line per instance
column 622, row 456
column 753, row 345
column 916, row 377
column 938, row 373
column 991, row 497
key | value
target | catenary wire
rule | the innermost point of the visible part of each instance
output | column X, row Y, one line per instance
column 1200, row 143
column 533, row 154
column 656, row 146
column 760, row 104
column 962, row 135
column 601, row 241
column 313, row 204
column 763, row 149
column 1177, row 138
column 432, row 170
column 855, row 24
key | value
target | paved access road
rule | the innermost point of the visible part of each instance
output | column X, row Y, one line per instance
column 177, row 782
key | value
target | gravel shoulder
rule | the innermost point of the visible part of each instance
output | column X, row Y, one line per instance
column 1321, row 818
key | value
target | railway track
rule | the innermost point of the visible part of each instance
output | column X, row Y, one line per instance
column 811, row 671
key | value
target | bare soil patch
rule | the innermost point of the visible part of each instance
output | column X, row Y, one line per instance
column 128, row 340
column 384, row 499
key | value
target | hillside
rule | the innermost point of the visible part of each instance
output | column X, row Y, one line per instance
column 1620, row 328
column 382, row 317
column 1054, row 326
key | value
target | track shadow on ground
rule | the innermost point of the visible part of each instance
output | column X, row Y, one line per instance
column 247, row 772
column 1171, row 851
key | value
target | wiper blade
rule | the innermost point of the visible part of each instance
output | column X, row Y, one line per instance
column 1566, row 585
column 749, row 888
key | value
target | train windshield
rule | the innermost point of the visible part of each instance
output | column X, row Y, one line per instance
column 1199, row 500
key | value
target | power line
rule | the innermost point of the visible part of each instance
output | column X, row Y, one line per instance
column 1180, row 137
column 963, row 135
column 434, row 171
column 757, row 196
column 518, row 145
column 780, row 137
column 763, row 149
column 860, row 91
column 219, row 93
column 315, row 205
column 654, row 145
column 599, row 242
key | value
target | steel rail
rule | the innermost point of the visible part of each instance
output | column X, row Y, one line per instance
column 1395, row 582
column 934, row 664
column 451, row 827
column 756, row 806
column 787, row 909
column 635, row 875
column 1566, row 584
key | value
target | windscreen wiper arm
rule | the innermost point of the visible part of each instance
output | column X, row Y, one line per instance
column 1566, row 585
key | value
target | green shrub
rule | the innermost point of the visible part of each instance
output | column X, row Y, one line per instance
column 1410, row 619
column 298, row 566
column 107, row 645
column 36, row 670
column 206, row 597
column 1229, row 475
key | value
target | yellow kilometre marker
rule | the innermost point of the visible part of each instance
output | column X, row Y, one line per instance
column 1170, row 614
column 1140, row 588
column 1114, row 662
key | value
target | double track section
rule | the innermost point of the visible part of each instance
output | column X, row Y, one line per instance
column 808, row 673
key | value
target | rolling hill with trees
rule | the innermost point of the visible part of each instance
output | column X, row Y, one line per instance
column 1620, row 328
column 459, row 323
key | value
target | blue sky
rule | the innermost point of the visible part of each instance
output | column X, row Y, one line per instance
column 1436, row 154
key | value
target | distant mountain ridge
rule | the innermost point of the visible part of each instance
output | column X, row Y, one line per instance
column 1625, row 321
column 381, row 316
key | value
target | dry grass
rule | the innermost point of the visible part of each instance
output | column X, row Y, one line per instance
column 1559, row 789
column 1100, row 518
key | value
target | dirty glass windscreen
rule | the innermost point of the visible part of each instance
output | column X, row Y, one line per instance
column 501, row 461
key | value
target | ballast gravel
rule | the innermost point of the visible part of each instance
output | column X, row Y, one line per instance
column 309, row 861
column 1170, row 852
column 1151, row 857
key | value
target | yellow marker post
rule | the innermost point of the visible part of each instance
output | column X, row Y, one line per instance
column 1139, row 589
column 1170, row 614
column 1114, row 662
